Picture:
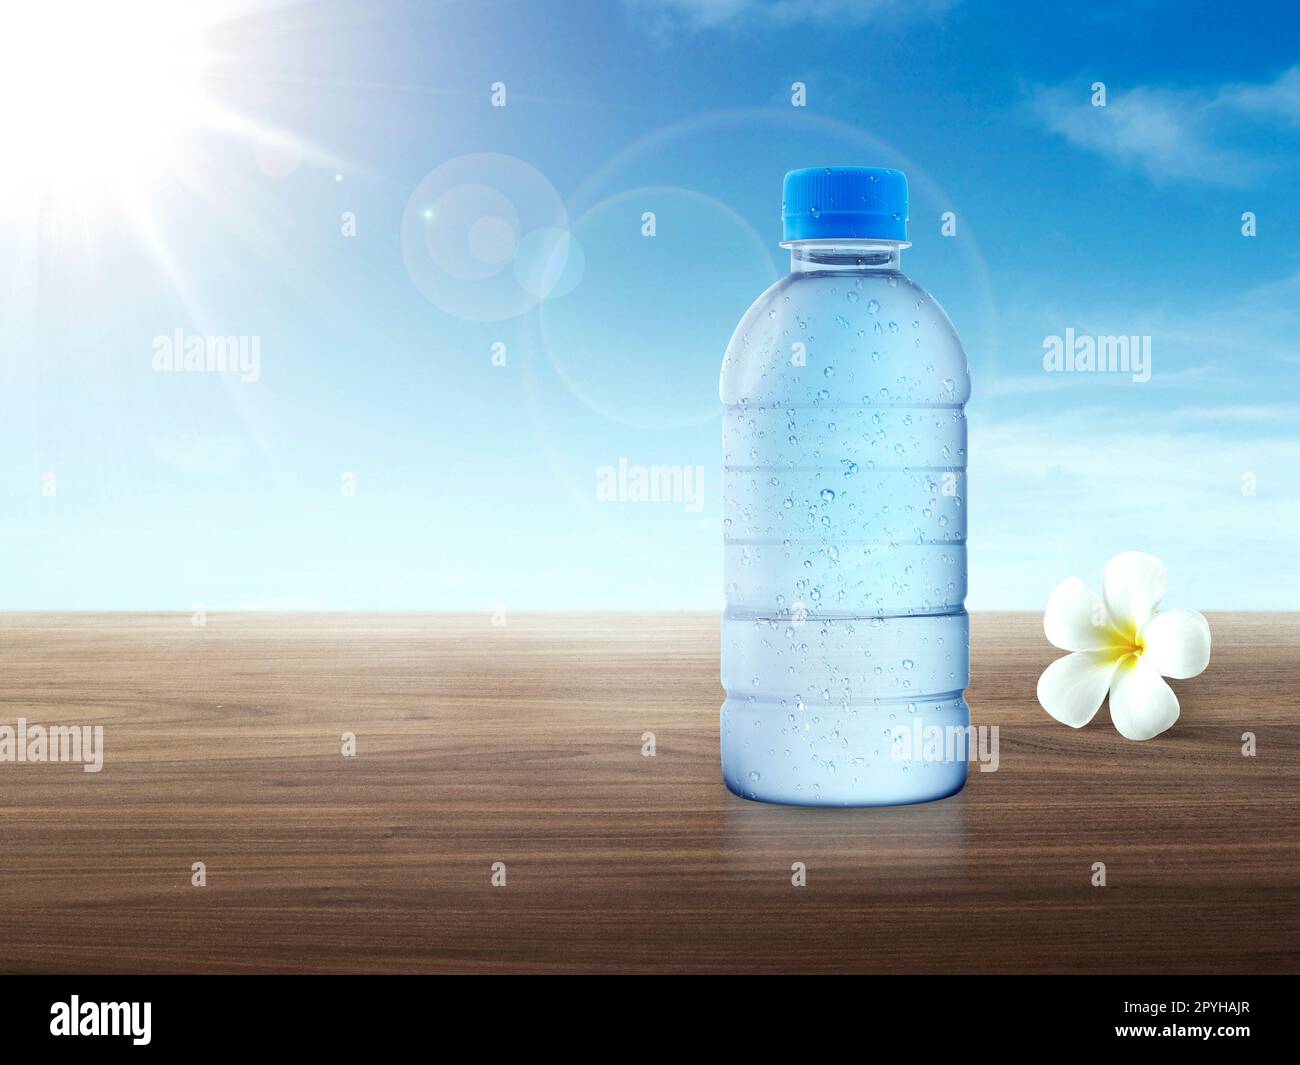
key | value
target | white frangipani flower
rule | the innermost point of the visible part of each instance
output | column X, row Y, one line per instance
column 1122, row 644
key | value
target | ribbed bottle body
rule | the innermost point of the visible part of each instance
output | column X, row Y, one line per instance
column 845, row 637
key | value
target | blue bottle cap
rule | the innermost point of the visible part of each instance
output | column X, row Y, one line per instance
column 851, row 202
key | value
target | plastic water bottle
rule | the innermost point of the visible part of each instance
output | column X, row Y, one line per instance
column 845, row 643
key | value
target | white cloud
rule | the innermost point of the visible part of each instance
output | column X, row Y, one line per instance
column 1236, row 347
column 1250, row 333
column 1279, row 99
column 1042, row 382
column 1169, row 133
column 668, row 17
column 1285, row 413
column 1054, row 496
column 1165, row 134
column 1202, row 473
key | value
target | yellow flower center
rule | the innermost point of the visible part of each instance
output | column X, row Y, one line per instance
column 1131, row 643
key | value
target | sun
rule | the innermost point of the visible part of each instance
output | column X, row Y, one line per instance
column 112, row 120
column 95, row 95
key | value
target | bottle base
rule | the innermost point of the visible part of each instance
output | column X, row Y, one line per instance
column 774, row 799
column 864, row 756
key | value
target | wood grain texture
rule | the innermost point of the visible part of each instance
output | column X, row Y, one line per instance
column 522, row 744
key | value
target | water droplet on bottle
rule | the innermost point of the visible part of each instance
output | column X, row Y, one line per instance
column 827, row 496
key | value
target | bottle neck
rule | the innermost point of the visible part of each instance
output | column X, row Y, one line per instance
column 844, row 256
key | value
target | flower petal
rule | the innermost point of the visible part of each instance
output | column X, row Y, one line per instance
column 1076, row 619
column 1142, row 705
column 1133, row 586
column 1072, row 688
column 1177, row 643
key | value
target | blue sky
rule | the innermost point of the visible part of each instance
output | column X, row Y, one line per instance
column 476, row 484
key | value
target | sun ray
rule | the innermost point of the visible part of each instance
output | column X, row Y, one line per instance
column 99, row 102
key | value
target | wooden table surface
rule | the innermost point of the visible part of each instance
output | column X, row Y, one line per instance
column 522, row 744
